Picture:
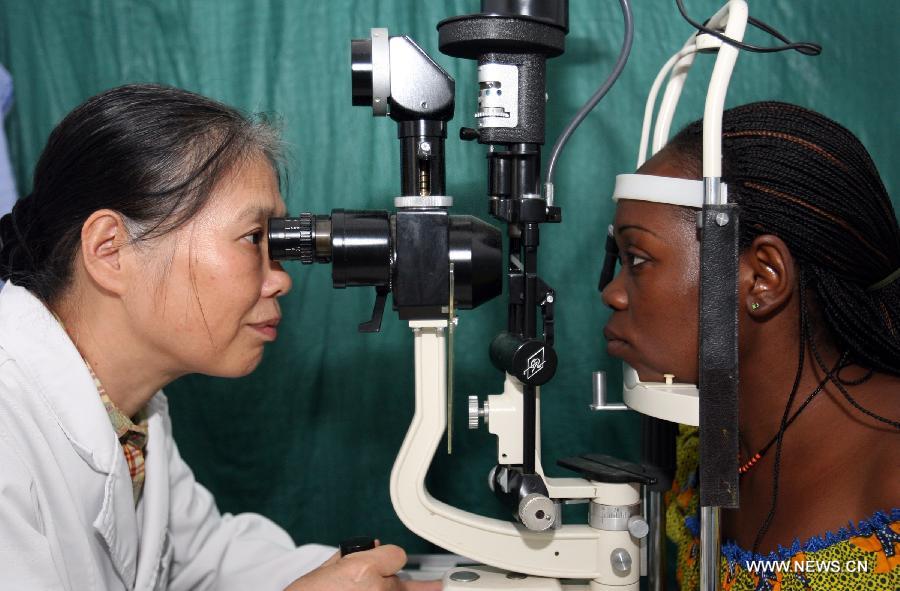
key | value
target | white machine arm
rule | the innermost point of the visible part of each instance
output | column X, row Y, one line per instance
column 572, row 551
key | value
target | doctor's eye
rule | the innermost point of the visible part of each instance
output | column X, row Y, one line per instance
column 254, row 237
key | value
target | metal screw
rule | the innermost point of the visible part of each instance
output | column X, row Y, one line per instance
column 722, row 218
column 424, row 150
column 464, row 576
column 621, row 561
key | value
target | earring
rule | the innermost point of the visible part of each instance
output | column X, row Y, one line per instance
column 754, row 306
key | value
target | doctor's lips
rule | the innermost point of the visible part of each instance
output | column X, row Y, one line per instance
column 268, row 328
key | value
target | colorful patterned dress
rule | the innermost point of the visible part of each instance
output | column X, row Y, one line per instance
column 860, row 557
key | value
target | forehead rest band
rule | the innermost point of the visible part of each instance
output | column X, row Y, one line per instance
column 659, row 189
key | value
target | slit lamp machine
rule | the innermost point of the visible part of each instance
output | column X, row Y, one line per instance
column 434, row 263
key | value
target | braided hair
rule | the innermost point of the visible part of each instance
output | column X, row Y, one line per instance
column 804, row 178
column 149, row 152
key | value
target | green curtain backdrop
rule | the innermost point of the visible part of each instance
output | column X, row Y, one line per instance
column 309, row 439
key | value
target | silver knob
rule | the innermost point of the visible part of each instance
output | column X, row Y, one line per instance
column 537, row 512
column 464, row 576
column 638, row 526
column 475, row 412
column 621, row 561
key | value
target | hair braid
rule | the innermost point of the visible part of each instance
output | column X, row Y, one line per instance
column 809, row 181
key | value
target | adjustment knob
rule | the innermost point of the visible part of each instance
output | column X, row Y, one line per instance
column 467, row 134
column 475, row 412
column 306, row 246
column 292, row 239
column 638, row 526
column 537, row 512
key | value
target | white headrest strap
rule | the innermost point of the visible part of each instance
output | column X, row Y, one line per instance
column 659, row 189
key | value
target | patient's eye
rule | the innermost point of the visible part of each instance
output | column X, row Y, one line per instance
column 632, row 260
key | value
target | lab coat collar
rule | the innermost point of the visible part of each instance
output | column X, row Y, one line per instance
column 154, row 505
column 31, row 335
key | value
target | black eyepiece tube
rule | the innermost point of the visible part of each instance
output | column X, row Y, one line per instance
column 361, row 72
column 361, row 245
column 305, row 238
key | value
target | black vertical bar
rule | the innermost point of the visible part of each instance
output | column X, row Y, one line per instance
column 530, row 237
column 719, row 356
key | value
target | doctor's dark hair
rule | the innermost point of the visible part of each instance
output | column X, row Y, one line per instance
column 151, row 153
column 806, row 179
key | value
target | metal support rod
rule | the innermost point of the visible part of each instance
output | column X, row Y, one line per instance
column 529, row 416
column 709, row 548
column 656, row 578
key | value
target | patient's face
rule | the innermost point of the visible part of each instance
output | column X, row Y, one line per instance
column 208, row 304
column 654, row 296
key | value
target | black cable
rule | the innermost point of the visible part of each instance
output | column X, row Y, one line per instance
column 599, row 94
column 804, row 47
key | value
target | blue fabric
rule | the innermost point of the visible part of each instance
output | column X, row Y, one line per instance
column 7, row 183
column 875, row 524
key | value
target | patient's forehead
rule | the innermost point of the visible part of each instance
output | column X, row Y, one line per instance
column 658, row 218
column 667, row 163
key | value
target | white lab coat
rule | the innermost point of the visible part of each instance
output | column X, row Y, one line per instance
column 67, row 514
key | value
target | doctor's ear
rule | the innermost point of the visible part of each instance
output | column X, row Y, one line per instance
column 104, row 240
column 768, row 276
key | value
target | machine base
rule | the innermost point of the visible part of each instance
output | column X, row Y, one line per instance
column 486, row 578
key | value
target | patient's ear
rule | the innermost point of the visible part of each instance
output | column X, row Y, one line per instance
column 104, row 250
column 768, row 277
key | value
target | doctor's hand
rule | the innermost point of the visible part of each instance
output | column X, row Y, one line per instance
column 371, row 570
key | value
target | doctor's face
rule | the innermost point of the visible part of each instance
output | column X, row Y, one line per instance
column 654, row 296
column 211, row 303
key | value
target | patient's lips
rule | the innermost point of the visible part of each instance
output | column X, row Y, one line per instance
column 615, row 344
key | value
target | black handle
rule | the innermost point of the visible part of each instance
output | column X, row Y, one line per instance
column 358, row 544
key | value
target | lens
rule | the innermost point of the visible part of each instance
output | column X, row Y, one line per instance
column 361, row 71
column 476, row 252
